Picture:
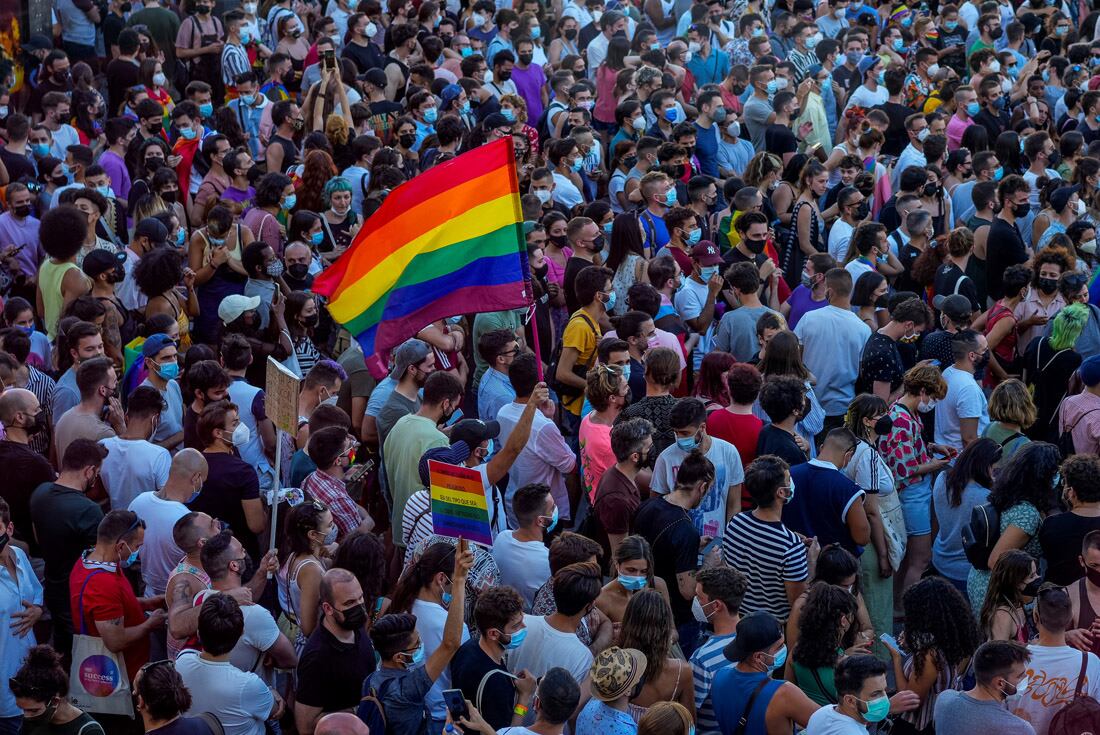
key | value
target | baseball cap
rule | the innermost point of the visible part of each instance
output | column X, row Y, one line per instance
column 232, row 306
column 866, row 63
column 706, row 253
column 474, row 431
column 99, row 261
column 497, row 120
column 409, row 352
column 449, row 94
column 155, row 344
column 374, row 76
column 1061, row 195
column 956, row 307
column 615, row 672
column 36, row 42
column 152, row 228
column 755, row 632
column 457, row 453
column 1090, row 371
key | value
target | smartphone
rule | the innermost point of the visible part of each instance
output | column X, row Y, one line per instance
column 455, row 417
column 456, row 704
column 890, row 641
column 328, row 59
column 710, row 547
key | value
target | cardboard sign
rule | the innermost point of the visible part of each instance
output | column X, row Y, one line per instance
column 282, row 396
column 459, row 507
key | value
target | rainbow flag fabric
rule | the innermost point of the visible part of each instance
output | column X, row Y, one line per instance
column 448, row 242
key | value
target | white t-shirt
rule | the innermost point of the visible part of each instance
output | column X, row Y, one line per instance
column 866, row 98
column 159, row 554
column 964, row 400
column 132, row 467
column 1053, row 674
column 839, row 237
column 690, row 301
column 832, row 341
column 524, row 565
column 566, row 192
column 709, row 518
column 544, row 648
column 260, row 634
column 241, row 701
column 827, row 721
column 430, row 619
column 857, row 268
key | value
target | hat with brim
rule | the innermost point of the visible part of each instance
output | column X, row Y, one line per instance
column 615, row 672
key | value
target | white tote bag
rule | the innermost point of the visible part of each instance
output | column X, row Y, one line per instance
column 98, row 681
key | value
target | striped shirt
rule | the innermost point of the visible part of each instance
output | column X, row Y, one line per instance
column 42, row 386
column 705, row 663
column 769, row 554
column 234, row 63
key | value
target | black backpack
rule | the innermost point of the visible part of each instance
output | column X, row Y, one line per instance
column 980, row 535
column 580, row 370
column 1065, row 439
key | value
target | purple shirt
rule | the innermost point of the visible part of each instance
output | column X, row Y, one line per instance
column 115, row 167
column 529, row 83
column 802, row 303
column 234, row 194
column 25, row 233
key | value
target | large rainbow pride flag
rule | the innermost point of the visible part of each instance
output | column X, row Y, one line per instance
column 447, row 242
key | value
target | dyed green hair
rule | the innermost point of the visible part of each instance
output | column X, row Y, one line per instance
column 333, row 185
column 1068, row 326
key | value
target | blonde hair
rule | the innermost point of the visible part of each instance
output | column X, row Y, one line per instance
column 960, row 242
column 518, row 104
column 1011, row 403
column 603, row 382
column 336, row 129
column 665, row 718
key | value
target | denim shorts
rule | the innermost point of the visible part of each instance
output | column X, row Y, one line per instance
column 916, row 506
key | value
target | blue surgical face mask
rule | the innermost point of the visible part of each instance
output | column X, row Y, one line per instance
column 245, row 37
column 206, row 109
column 169, row 371
column 553, row 520
column 973, row 108
column 508, row 113
column 610, row 303
column 632, row 583
column 430, row 115
column 289, row 201
column 671, row 114
column 626, row 372
column 694, row 236
column 670, row 198
column 418, row 656
column 516, row 640
column 607, row 227
column 131, row 559
column 708, row 272
column 40, row 150
column 773, row 87
column 578, row 164
column 317, row 238
column 105, row 192
column 188, row 134
column 687, row 443
column 466, row 107
column 779, row 658
column 950, row 25
column 181, row 237
column 248, row 99
column 999, row 173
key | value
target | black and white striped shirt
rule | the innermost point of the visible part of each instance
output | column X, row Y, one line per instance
column 769, row 554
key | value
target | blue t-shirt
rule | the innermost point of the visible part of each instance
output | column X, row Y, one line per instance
column 706, row 148
column 730, row 695
column 823, row 496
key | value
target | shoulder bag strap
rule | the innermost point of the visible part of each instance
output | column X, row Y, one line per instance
column 662, row 532
column 1086, row 413
column 1081, row 673
column 821, row 686
column 83, row 624
column 743, row 722
column 484, row 681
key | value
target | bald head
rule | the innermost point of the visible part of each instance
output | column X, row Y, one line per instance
column 16, row 400
column 340, row 723
column 187, row 463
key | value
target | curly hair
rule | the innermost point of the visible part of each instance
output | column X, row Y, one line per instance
column 1028, row 477
column 41, row 677
column 362, row 554
column 336, row 128
column 1053, row 256
column 927, row 378
column 819, row 625
column 158, row 271
column 711, row 385
column 603, row 382
column 938, row 620
column 647, row 626
column 1008, row 575
column 316, row 171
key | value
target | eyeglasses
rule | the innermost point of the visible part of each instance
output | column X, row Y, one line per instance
column 318, row 506
column 151, row 664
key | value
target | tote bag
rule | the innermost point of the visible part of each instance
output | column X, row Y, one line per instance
column 98, row 681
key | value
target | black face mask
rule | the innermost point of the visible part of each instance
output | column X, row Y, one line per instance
column 298, row 271
column 311, row 321
column 996, row 33
column 541, row 272
column 882, row 302
column 169, row 197
column 1048, row 285
column 504, row 76
column 754, row 246
column 884, row 425
column 407, row 140
column 560, row 240
column 931, row 190
column 739, row 89
column 353, row 618
column 152, row 165
column 22, row 211
column 1031, row 589
column 630, row 162
column 60, row 180
column 248, row 570
column 1021, row 210
column 525, row 59
column 863, row 210
column 570, row 34
column 126, row 7
column 38, row 425
column 117, row 275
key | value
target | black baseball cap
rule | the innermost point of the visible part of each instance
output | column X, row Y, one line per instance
column 755, row 632
column 474, row 431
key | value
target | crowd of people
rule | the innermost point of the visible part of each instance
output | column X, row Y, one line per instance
column 800, row 432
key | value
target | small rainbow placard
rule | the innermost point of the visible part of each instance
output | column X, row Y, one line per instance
column 459, row 508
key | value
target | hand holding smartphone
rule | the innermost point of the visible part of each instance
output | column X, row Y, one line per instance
column 456, row 704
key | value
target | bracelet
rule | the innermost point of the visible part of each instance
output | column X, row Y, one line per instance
column 520, row 710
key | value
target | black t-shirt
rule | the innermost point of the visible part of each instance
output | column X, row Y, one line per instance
column 121, row 75
column 675, row 543
column 26, row 469
column 773, row 440
column 879, row 362
column 573, row 266
column 364, row 57
column 1060, row 536
column 1049, row 371
column 937, row 346
column 780, row 139
column 19, row 167
column 848, row 79
column 1005, row 248
column 889, row 217
column 331, row 672
column 994, row 124
column 230, row 481
column 896, row 137
column 950, row 279
column 469, row 665
column 191, row 429
column 907, row 255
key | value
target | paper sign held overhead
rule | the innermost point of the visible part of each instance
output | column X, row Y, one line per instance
column 282, row 396
column 459, row 506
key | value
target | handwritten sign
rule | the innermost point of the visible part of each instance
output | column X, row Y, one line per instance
column 459, row 507
column 282, row 396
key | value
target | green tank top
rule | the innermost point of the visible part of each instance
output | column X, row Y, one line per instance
column 50, row 275
column 821, row 689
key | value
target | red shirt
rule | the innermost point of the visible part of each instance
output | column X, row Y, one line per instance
column 740, row 430
column 107, row 596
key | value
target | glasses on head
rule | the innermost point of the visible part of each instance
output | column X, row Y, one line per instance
column 153, row 664
column 318, row 506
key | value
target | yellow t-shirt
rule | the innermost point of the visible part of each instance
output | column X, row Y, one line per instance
column 582, row 333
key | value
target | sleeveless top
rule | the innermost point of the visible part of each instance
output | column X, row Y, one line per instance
column 50, row 275
column 1086, row 615
column 636, row 710
column 290, row 598
column 175, row 645
column 182, row 321
column 730, row 693
column 793, row 257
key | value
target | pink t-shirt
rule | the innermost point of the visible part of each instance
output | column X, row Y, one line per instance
column 955, row 129
column 661, row 338
column 596, row 454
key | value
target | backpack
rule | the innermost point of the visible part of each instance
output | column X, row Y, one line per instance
column 371, row 710
column 1065, row 439
column 1082, row 714
column 581, row 371
column 980, row 535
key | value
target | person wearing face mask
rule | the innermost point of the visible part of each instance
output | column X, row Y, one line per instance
column 296, row 261
column 161, row 509
column 880, row 364
column 199, row 44
column 134, row 463
column 1001, row 673
column 426, row 615
column 40, row 690
column 1085, row 594
column 1014, row 193
column 162, row 371
column 522, row 554
column 99, row 414
column 746, row 691
column 23, row 418
column 862, row 701
column 695, row 300
column 102, row 597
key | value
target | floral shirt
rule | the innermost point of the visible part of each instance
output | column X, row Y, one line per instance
column 904, row 449
column 915, row 91
column 739, row 52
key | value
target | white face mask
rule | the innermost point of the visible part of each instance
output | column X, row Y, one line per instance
column 543, row 195
column 926, row 406
column 1081, row 209
column 1088, row 246
column 734, row 129
column 995, row 66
